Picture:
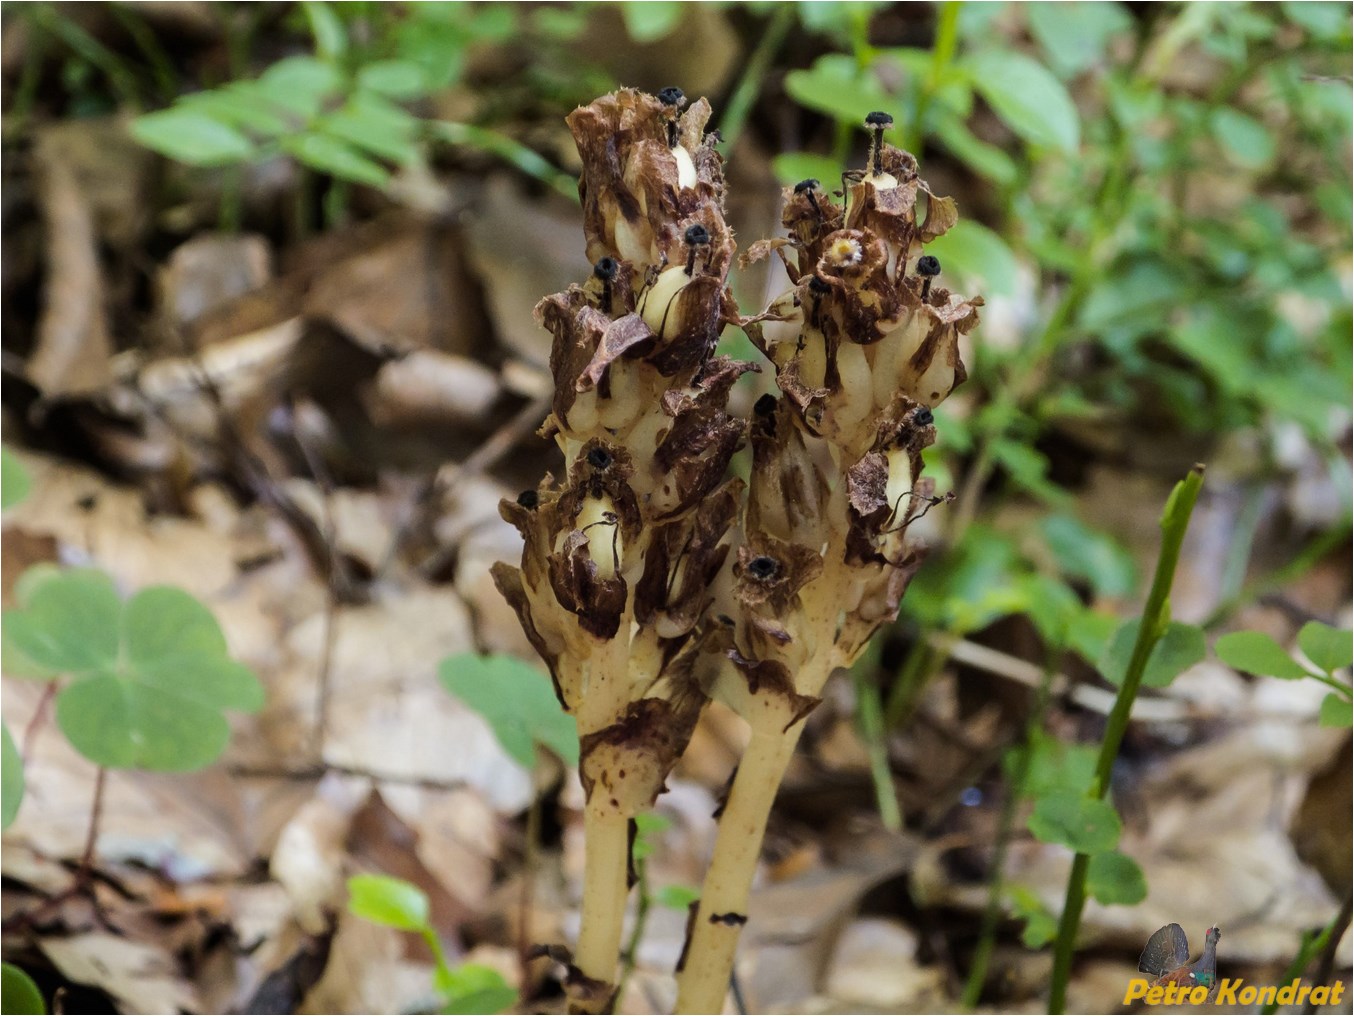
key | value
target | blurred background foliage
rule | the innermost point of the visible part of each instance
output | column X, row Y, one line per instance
column 1154, row 200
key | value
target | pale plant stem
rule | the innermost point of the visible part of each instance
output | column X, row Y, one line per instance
column 704, row 980
column 606, row 827
column 604, row 893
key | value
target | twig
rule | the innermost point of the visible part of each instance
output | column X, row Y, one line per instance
column 36, row 720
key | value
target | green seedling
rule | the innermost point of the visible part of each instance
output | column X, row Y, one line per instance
column 18, row 993
column 395, row 903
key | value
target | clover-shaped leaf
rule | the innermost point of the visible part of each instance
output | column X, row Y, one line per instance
column 151, row 676
column 1116, row 878
column 12, row 774
column 516, row 700
column 1085, row 824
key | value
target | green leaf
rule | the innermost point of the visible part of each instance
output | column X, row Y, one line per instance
column 985, row 159
column 371, row 123
column 395, row 79
column 1074, row 37
column 331, row 41
column 1245, row 138
column 192, row 137
column 835, row 85
column 1090, row 554
column 1337, row 711
column 242, row 105
column 18, row 993
column 1324, row 19
column 151, row 677
column 792, row 167
column 651, row 20
column 978, row 256
column 337, row 157
column 677, row 897
column 1257, row 653
column 69, row 622
column 516, row 700
column 15, row 482
column 11, row 780
column 1083, row 824
column 1054, row 767
column 1180, row 647
column 1114, row 878
column 1138, row 294
column 115, row 720
column 1329, row 648
column 1040, row 925
column 474, row 988
column 392, row 902
column 1027, row 97
column 300, row 84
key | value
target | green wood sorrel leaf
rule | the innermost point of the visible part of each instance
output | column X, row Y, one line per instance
column 1337, row 711
column 11, row 779
column 1116, row 878
column 1329, row 648
column 1027, row 97
column 388, row 901
column 517, row 702
column 14, row 479
column 18, row 993
column 1180, row 647
column 1086, row 825
column 151, row 677
column 1257, row 653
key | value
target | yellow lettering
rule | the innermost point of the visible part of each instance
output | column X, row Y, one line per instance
column 1336, row 990
column 1303, row 992
column 1227, row 990
column 1154, row 995
column 1268, row 994
column 1248, row 994
column 1137, row 988
column 1287, row 992
column 1198, row 995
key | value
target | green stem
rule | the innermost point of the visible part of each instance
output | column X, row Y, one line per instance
column 1156, row 616
column 750, row 84
column 942, row 55
column 870, row 717
column 987, row 935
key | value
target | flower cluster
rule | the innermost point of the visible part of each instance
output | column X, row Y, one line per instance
column 616, row 571
column 650, row 580
column 864, row 345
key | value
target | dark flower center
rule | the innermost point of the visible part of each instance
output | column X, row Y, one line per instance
column 763, row 567
column 599, row 458
column 528, row 499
